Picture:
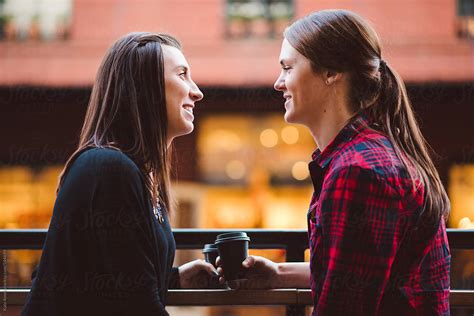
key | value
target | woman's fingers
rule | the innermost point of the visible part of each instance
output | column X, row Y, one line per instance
column 249, row 262
column 210, row 269
column 221, row 280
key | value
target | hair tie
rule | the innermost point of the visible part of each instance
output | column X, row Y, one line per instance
column 382, row 66
column 141, row 42
column 147, row 38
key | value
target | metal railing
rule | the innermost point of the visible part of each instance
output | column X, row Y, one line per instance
column 295, row 242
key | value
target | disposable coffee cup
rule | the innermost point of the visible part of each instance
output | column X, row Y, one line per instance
column 210, row 253
column 233, row 249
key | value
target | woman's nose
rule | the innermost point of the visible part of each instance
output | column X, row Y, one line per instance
column 279, row 84
column 196, row 93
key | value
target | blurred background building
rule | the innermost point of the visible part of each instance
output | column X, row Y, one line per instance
column 243, row 167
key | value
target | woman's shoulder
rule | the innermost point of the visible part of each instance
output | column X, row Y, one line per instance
column 105, row 159
column 103, row 162
column 374, row 155
column 371, row 150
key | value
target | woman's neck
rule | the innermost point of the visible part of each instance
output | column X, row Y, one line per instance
column 329, row 124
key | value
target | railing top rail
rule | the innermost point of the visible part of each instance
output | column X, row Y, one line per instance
column 191, row 238
column 210, row 297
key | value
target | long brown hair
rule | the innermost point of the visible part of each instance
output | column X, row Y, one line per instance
column 127, row 109
column 342, row 41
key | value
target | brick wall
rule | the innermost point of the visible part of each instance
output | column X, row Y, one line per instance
column 419, row 40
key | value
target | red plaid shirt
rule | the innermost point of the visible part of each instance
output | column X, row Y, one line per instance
column 371, row 252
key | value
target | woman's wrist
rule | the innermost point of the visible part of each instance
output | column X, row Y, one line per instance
column 284, row 278
column 279, row 280
column 174, row 282
column 292, row 275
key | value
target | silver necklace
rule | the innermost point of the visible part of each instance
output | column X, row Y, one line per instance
column 157, row 210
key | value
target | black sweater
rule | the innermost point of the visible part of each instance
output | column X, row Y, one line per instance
column 105, row 252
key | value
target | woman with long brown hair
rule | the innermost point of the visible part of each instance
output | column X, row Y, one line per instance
column 109, row 248
column 376, row 222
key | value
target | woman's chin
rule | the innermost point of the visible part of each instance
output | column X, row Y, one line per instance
column 289, row 117
column 190, row 127
column 186, row 129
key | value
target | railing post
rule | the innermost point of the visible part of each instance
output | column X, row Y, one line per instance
column 295, row 253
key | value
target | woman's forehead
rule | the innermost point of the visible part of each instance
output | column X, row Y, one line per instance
column 287, row 52
column 174, row 57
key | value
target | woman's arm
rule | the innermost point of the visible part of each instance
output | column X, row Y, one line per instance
column 263, row 273
column 293, row 275
column 174, row 282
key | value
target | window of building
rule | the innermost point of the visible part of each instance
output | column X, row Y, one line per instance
column 465, row 23
column 257, row 18
column 236, row 149
column 461, row 194
column 252, row 168
column 44, row 20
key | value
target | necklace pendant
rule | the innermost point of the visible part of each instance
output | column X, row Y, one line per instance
column 158, row 214
column 160, row 218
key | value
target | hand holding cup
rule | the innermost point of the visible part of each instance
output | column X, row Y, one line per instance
column 233, row 250
column 258, row 273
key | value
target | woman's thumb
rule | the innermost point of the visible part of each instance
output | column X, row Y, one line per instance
column 210, row 269
column 249, row 262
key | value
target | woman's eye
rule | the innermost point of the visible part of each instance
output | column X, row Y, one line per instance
column 286, row 68
column 182, row 74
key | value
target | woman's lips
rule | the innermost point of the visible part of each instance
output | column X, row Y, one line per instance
column 189, row 110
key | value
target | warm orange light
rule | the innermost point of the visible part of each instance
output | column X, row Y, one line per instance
column 290, row 135
column 465, row 223
column 235, row 169
column 269, row 138
column 299, row 171
column 461, row 194
column 225, row 140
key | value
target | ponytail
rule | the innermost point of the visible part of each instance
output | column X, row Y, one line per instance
column 393, row 111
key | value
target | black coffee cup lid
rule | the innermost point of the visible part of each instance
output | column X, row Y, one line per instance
column 209, row 248
column 231, row 236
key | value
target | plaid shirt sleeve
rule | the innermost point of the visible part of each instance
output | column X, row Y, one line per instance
column 361, row 225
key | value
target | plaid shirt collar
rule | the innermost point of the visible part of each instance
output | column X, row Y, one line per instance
column 317, row 167
column 356, row 124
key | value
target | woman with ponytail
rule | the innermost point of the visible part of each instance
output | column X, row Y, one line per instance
column 109, row 248
column 376, row 222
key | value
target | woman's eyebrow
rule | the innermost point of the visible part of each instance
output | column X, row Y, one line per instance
column 183, row 67
column 285, row 61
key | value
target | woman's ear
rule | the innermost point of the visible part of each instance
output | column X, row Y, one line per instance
column 332, row 77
